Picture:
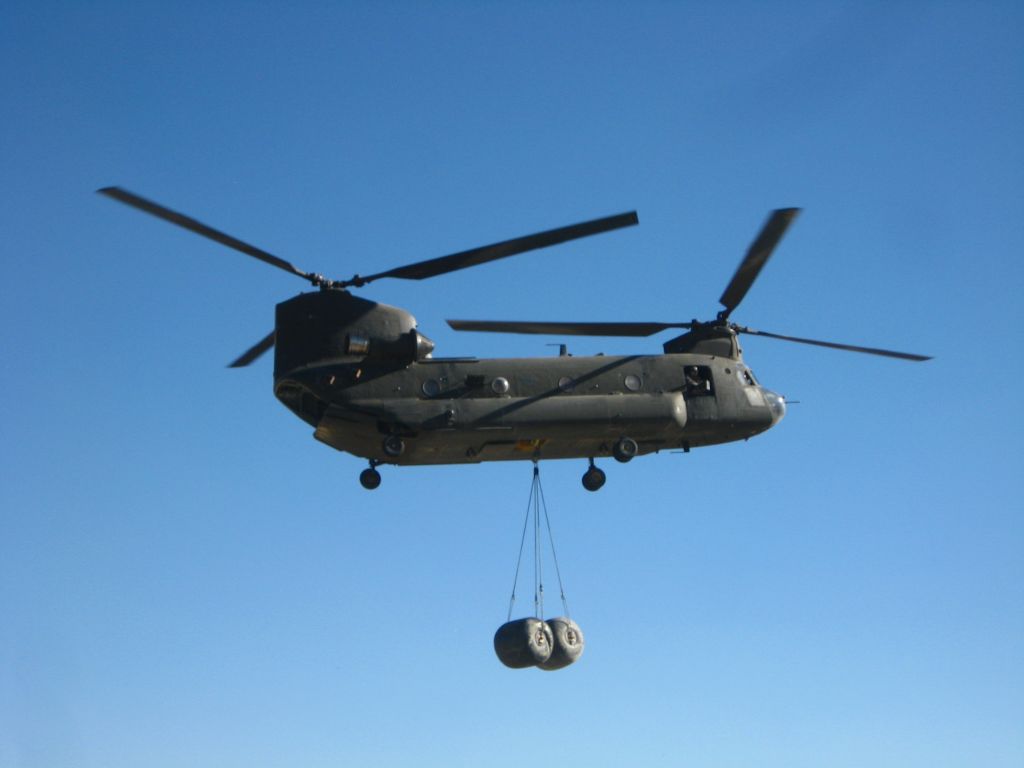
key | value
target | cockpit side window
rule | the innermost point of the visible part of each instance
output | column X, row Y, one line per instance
column 746, row 377
column 697, row 381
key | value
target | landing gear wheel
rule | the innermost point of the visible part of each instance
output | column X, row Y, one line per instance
column 593, row 478
column 393, row 446
column 369, row 478
column 625, row 449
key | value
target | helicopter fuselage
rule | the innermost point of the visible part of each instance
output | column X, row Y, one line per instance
column 359, row 372
column 454, row 411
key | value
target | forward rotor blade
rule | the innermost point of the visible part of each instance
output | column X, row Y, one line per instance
column 444, row 264
column 155, row 209
column 254, row 351
column 833, row 345
column 565, row 329
column 757, row 255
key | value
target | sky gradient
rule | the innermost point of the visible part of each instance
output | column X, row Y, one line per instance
column 188, row 578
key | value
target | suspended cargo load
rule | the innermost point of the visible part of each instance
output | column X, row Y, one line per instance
column 533, row 642
column 523, row 643
column 567, row 644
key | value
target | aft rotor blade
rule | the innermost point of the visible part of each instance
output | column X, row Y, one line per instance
column 254, row 351
column 444, row 264
column 834, row 345
column 757, row 256
column 565, row 329
column 161, row 212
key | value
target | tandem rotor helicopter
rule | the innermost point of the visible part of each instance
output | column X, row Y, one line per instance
column 363, row 376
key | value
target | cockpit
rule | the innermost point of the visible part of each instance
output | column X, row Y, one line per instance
column 697, row 381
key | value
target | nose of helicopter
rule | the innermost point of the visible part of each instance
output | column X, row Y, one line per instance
column 776, row 404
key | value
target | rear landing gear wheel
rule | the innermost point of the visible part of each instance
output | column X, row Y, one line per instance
column 625, row 449
column 369, row 478
column 593, row 478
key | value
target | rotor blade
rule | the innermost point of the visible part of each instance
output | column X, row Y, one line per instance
column 443, row 264
column 155, row 209
column 565, row 329
column 757, row 255
column 254, row 351
column 833, row 345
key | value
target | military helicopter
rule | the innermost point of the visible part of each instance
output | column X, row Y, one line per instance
column 364, row 377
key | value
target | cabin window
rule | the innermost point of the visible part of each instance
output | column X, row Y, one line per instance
column 430, row 387
column 633, row 382
column 697, row 381
column 566, row 384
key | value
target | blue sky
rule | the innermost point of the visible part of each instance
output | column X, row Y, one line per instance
column 188, row 578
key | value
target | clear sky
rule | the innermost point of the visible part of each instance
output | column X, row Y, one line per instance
column 188, row 578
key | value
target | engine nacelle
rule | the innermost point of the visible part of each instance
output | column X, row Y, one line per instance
column 330, row 325
column 410, row 346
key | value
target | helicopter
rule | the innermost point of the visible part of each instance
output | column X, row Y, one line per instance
column 366, row 379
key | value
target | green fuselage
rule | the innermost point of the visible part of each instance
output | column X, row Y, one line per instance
column 451, row 411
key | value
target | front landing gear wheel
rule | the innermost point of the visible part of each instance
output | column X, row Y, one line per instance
column 369, row 478
column 593, row 478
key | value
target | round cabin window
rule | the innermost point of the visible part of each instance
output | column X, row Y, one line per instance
column 500, row 385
